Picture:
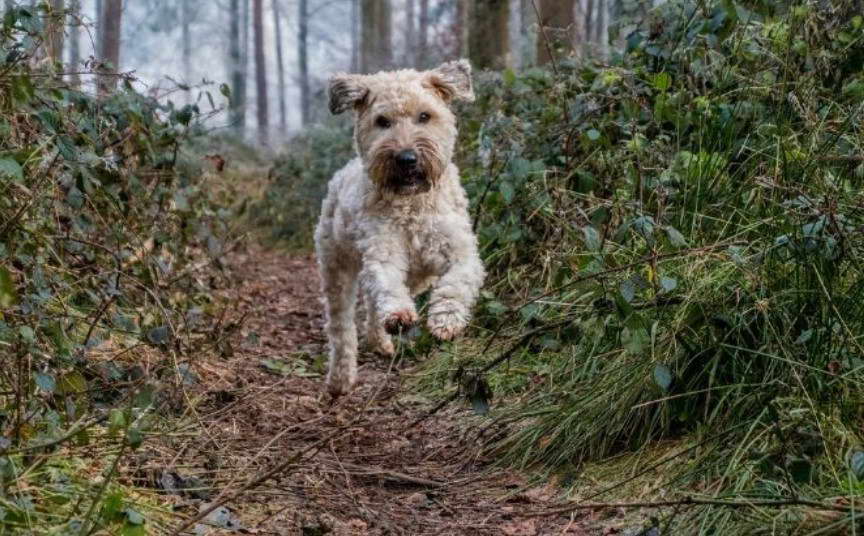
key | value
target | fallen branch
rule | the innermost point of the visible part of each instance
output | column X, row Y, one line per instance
column 393, row 476
column 690, row 501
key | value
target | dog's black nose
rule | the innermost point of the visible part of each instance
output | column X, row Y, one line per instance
column 406, row 158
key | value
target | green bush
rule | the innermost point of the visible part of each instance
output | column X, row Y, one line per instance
column 298, row 181
column 106, row 227
column 674, row 246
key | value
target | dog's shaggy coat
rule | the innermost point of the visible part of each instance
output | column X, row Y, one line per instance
column 395, row 220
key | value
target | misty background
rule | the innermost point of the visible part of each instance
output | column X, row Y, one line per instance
column 273, row 57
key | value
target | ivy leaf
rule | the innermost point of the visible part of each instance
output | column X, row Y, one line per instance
column 628, row 290
column 634, row 339
column 805, row 336
column 591, row 238
column 134, row 517
column 675, row 237
column 662, row 376
column 668, row 283
column 644, row 225
column 45, row 382
column 159, row 335
column 856, row 463
column 27, row 333
column 11, row 169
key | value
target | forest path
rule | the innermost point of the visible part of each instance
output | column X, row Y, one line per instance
column 365, row 469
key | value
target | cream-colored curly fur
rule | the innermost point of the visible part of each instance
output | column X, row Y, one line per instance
column 391, row 230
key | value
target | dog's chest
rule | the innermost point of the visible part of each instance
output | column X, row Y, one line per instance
column 429, row 249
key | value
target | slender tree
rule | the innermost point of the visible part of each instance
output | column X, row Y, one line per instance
column 55, row 31
column 245, row 26
column 98, row 9
column 111, row 27
column 376, row 42
column 464, row 9
column 260, row 72
column 186, row 36
column 355, row 35
column 558, row 22
column 237, row 106
column 410, row 33
column 489, row 44
column 601, row 29
column 528, row 37
column 303, row 59
column 280, row 66
column 75, row 42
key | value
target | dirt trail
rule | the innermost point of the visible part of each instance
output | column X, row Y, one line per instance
column 377, row 475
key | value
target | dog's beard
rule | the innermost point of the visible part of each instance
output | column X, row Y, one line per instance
column 395, row 179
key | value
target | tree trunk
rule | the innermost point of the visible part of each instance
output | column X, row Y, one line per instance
column 601, row 33
column 422, row 42
column 245, row 40
column 376, row 49
column 55, row 30
column 589, row 26
column 280, row 66
column 489, row 35
column 410, row 34
column 303, row 60
column 112, row 19
column 355, row 36
column 463, row 27
column 98, row 10
column 237, row 106
column 260, row 72
column 557, row 22
column 528, row 22
column 186, row 21
column 75, row 43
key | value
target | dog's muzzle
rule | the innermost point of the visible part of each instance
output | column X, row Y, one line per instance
column 407, row 175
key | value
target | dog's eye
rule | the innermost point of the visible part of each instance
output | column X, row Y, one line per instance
column 382, row 122
column 424, row 117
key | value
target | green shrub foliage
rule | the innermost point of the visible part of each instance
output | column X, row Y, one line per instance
column 105, row 227
column 678, row 230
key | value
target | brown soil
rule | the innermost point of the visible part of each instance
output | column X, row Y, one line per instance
column 376, row 474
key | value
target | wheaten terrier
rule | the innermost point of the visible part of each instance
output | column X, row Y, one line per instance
column 395, row 219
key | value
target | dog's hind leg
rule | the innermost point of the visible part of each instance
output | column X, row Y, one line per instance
column 339, row 282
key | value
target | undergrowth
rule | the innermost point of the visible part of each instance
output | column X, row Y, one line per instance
column 674, row 243
column 112, row 236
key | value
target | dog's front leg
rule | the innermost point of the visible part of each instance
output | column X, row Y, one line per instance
column 383, row 279
column 456, row 291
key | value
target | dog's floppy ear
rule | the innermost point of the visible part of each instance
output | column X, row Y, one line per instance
column 346, row 91
column 452, row 80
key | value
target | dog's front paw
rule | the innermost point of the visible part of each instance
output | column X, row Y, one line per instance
column 447, row 325
column 399, row 321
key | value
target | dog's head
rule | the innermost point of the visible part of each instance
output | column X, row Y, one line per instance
column 404, row 128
